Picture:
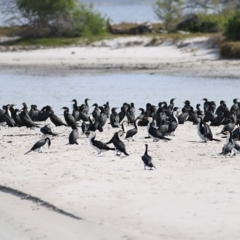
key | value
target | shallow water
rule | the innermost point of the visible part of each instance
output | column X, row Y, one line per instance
column 58, row 91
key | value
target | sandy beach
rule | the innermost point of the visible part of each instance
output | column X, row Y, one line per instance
column 71, row 192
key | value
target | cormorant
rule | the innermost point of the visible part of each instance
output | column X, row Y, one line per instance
column 39, row 145
column 46, row 130
column 97, row 145
column 153, row 132
column 204, row 131
column 73, row 136
column 147, row 160
column 229, row 147
column 132, row 133
column 114, row 118
column 69, row 118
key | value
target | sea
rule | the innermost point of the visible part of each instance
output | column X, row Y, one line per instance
column 58, row 91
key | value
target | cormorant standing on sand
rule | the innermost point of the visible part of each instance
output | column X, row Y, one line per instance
column 147, row 160
column 97, row 145
column 46, row 130
column 229, row 147
column 204, row 131
column 114, row 118
column 73, row 136
column 39, row 145
column 69, row 118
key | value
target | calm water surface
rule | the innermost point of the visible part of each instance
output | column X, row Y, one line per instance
column 58, row 91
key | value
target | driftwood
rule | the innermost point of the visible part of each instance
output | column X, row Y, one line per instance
column 139, row 29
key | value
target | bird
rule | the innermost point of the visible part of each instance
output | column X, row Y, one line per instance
column 97, row 145
column 56, row 120
column 229, row 147
column 147, row 160
column 26, row 120
column 153, row 132
column 118, row 143
column 70, row 120
column 114, row 118
column 228, row 127
column 204, row 131
column 132, row 133
column 46, row 130
column 73, row 136
column 173, row 122
column 39, row 145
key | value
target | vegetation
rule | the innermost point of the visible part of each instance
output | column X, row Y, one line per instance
column 61, row 18
column 169, row 12
column 232, row 27
column 230, row 50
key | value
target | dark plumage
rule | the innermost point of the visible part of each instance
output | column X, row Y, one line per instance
column 70, row 120
column 97, row 145
column 73, row 136
column 204, row 131
column 147, row 160
column 153, row 132
column 46, row 130
column 26, row 120
column 39, row 145
column 229, row 147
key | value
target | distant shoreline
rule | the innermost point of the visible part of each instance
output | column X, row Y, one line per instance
column 190, row 57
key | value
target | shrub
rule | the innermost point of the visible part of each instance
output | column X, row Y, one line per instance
column 232, row 27
column 51, row 18
column 204, row 23
column 230, row 50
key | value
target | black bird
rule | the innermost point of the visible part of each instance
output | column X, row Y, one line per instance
column 228, row 127
column 184, row 115
column 73, row 136
column 204, row 131
column 229, row 147
column 147, row 160
column 33, row 113
column 26, row 120
column 173, row 122
column 43, row 115
column 131, row 113
column 153, row 132
column 46, row 130
column 97, row 145
column 75, row 112
column 69, row 118
column 86, row 108
column 56, row 120
column 8, row 119
column 114, row 118
column 82, row 113
column 132, row 133
column 118, row 144
column 39, row 145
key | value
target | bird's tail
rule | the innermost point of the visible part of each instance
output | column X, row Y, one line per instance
column 217, row 140
column 126, row 153
column 168, row 139
column 27, row 152
column 112, row 149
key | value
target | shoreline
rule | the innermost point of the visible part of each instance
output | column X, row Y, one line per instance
column 190, row 57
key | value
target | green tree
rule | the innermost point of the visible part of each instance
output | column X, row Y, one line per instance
column 47, row 18
column 169, row 12
column 232, row 27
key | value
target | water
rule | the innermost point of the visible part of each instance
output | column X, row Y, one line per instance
column 58, row 91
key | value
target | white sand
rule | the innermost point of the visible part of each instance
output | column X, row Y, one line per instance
column 194, row 57
column 193, row 193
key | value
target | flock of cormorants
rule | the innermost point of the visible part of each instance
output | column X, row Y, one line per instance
column 161, row 121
